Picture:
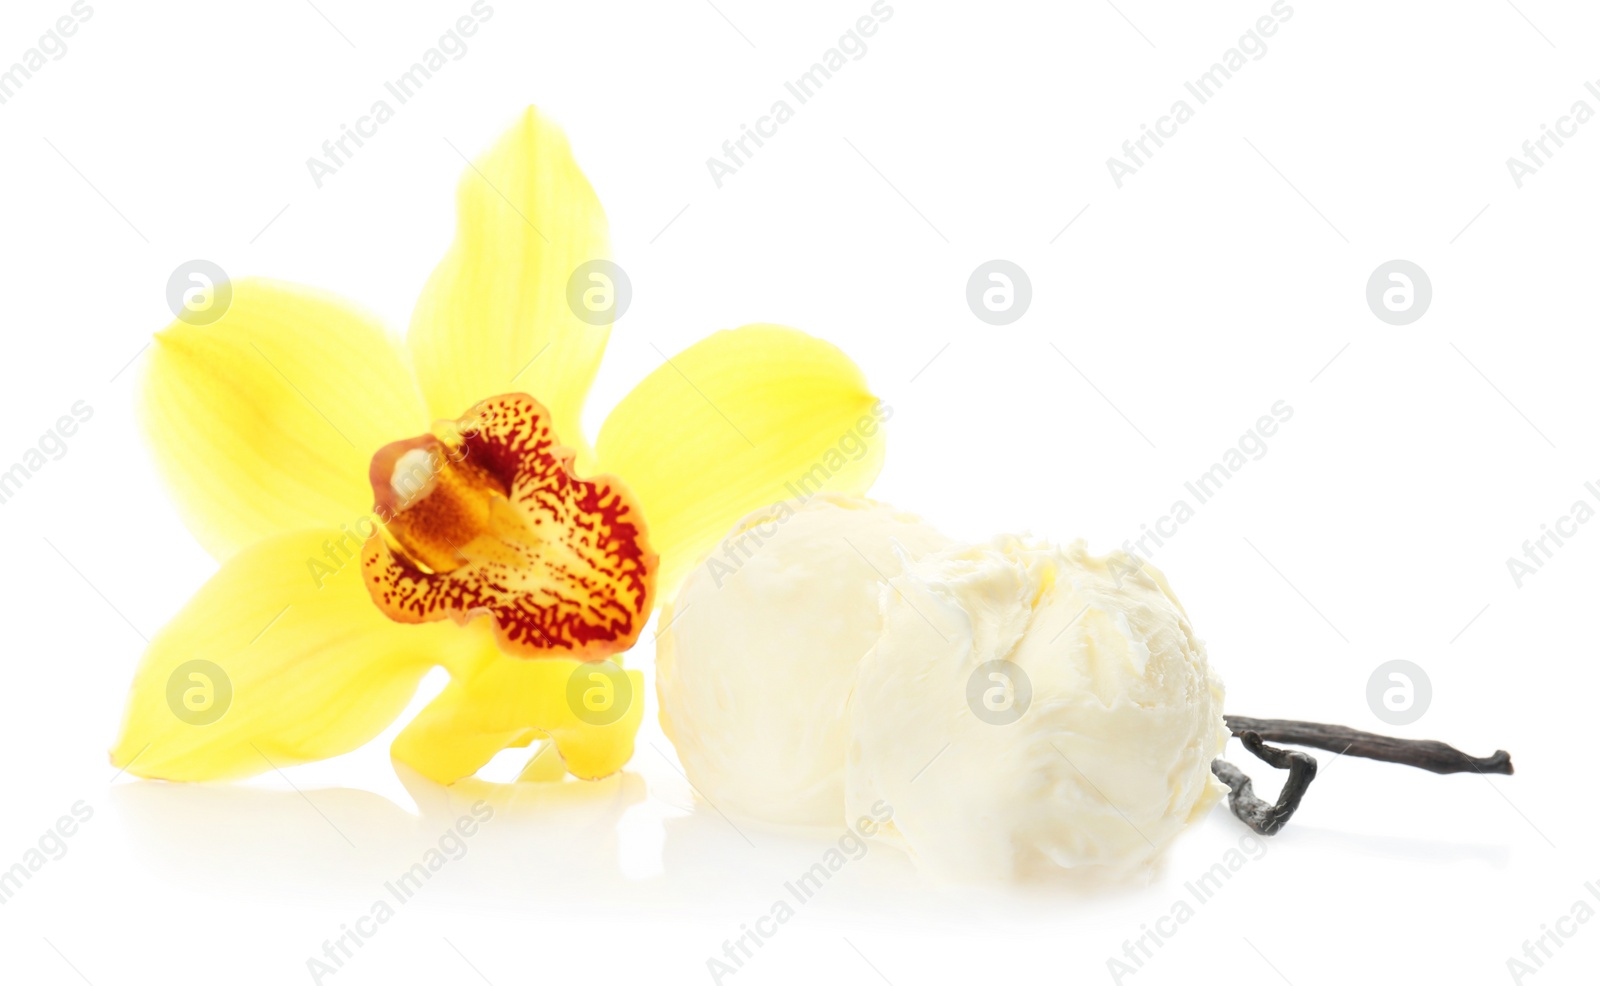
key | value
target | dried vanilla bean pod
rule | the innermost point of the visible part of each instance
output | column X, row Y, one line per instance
column 1431, row 755
column 1261, row 817
column 1266, row 819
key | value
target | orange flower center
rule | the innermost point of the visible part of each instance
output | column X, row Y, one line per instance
column 485, row 517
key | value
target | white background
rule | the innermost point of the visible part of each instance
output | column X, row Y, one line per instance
column 1226, row 275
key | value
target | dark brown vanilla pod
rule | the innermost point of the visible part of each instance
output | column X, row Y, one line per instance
column 1431, row 755
column 1264, row 818
column 1268, row 819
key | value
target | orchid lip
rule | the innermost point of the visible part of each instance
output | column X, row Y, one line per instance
column 485, row 516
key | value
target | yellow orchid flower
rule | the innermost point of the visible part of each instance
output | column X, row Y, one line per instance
column 515, row 552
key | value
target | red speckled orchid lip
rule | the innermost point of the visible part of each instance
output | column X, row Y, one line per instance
column 486, row 517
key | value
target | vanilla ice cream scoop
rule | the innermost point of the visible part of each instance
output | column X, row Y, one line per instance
column 756, row 664
column 1028, row 708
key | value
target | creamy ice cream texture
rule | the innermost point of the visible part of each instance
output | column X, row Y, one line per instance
column 755, row 667
column 1022, row 708
column 1029, row 708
